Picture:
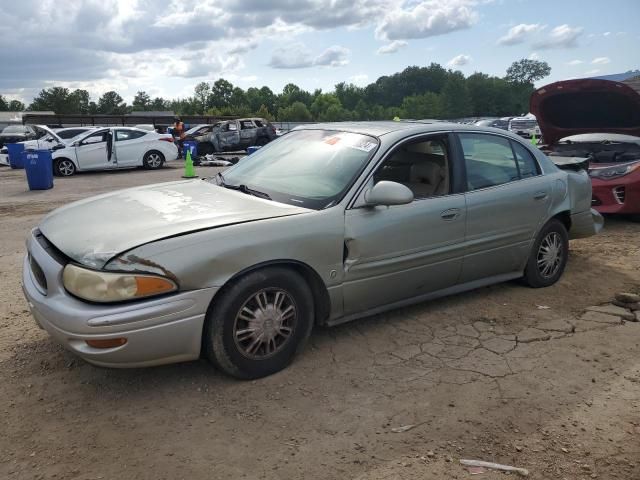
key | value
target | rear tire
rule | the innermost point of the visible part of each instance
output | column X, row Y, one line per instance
column 205, row 148
column 63, row 167
column 261, row 142
column 153, row 160
column 549, row 255
column 256, row 327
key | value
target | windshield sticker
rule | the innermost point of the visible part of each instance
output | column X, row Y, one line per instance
column 352, row 140
column 332, row 140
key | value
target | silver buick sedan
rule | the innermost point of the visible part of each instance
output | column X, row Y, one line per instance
column 329, row 223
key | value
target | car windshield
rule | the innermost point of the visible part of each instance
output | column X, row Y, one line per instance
column 15, row 129
column 195, row 129
column 309, row 168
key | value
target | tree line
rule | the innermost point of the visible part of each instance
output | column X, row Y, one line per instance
column 416, row 92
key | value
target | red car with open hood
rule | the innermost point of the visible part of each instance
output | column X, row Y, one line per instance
column 594, row 122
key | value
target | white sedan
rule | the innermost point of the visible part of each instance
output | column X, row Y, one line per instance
column 113, row 147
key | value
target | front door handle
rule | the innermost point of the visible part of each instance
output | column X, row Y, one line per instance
column 540, row 196
column 450, row 214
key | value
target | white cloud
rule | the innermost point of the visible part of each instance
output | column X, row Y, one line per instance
column 426, row 18
column 562, row 36
column 534, row 56
column 459, row 60
column 520, row 33
column 592, row 72
column 360, row 79
column 606, row 34
column 601, row 61
column 575, row 62
column 393, row 47
column 298, row 55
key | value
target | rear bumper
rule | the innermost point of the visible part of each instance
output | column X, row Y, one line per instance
column 585, row 224
column 164, row 330
column 621, row 195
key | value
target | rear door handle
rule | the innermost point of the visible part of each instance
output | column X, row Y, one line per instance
column 540, row 196
column 450, row 214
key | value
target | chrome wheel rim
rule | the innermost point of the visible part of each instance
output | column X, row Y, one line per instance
column 66, row 168
column 154, row 160
column 265, row 323
column 550, row 255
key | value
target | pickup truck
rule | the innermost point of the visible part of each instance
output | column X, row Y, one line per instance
column 231, row 135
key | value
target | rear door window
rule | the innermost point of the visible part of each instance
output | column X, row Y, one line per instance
column 246, row 125
column 526, row 162
column 488, row 159
column 124, row 135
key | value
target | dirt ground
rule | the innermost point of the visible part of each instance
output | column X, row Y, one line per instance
column 487, row 375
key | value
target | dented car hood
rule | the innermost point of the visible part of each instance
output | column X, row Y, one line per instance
column 94, row 230
column 574, row 107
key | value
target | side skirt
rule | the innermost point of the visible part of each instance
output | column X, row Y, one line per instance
column 483, row 282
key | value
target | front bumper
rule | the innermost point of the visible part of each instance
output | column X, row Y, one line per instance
column 620, row 195
column 158, row 331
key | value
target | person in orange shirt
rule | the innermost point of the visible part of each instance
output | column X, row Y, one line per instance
column 178, row 135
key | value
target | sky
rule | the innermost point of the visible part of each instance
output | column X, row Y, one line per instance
column 167, row 47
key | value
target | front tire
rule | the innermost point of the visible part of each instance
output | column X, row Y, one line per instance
column 549, row 255
column 205, row 148
column 63, row 167
column 259, row 323
column 153, row 160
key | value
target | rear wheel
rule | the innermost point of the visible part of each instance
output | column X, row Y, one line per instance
column 549, row 255
column 259, row 323
column 205, row 148
column 63, row 167
column 153, row 160
column 262, row 141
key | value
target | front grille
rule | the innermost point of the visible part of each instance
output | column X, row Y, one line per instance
column 619, row 194
column 38, row 274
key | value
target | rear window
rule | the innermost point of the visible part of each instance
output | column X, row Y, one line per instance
column 526, row 163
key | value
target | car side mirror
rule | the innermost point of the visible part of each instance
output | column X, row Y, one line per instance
column 388, row 193
column 57, row 147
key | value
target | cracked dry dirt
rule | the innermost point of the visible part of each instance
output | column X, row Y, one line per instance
column 486, row 375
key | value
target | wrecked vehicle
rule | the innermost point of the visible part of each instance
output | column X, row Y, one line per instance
column 231, row 135
column 328, row 224
column 595, row 124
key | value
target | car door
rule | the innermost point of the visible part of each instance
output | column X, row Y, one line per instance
column 507, row 201
column 404, row 251
column 229, row 136
column 129, row 147
column 247, row 133
column 92, row 152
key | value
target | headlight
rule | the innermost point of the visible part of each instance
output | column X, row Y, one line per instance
column 608, row 173
column 113, row 287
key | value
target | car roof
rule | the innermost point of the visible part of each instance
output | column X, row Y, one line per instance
column 380, row 128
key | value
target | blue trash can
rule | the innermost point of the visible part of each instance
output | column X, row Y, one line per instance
column 191, row 146
column 251, row 150
column 14, row 151
column 39, row 167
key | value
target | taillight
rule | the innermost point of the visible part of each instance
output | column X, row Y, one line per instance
column 166, row 139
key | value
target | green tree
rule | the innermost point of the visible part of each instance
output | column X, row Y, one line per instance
column 202, row 94
column 142, row 101
column 322, row 103
column 456, row 101
column 348, row 94
column 79, row 102
column 55, row 99
column 111, row 103
column 527, row 71
column 221, row 92
column 4, row 105
column 296, row 112
column 16, row 106
column 422, row 106
column 263, row 112
column 159, row 104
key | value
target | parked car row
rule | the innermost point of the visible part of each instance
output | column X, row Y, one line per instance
column 96, row 148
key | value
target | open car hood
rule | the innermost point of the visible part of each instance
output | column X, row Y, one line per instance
column 580, row 106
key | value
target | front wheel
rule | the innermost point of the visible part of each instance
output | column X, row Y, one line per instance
column 153, row 160
column 63, row 167
column 549, row 255
column 259, row 323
